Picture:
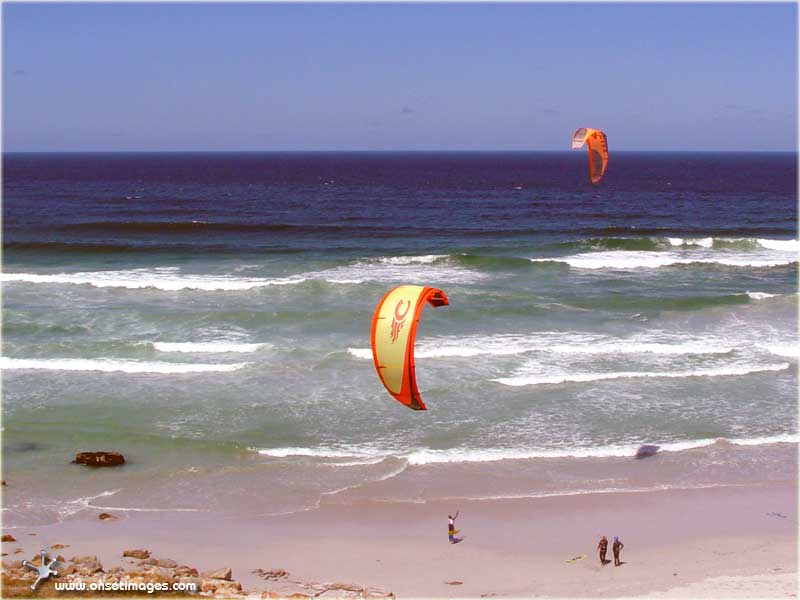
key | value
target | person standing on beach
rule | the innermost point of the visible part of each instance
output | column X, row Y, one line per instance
column 602, row 547
column 616, row 549
column 451, row 526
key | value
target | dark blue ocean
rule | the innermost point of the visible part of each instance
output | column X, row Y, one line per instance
column 208, row 314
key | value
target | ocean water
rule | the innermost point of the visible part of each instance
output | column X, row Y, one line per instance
column 208, row 315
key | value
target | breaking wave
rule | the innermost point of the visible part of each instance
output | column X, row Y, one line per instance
column 111, row 366
column 538, row 379
column 393, row 269
column 425, row 456
column 206, row 347
column 652, row 253
column 654, row 260
column 561, row 343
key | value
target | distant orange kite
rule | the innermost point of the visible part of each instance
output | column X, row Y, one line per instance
column 597, row 144
column 394, row 328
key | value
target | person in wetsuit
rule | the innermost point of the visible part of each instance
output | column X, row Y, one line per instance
column 616, row 548
column 602, row 548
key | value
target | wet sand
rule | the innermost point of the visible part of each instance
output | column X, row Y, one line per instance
column 681, row 543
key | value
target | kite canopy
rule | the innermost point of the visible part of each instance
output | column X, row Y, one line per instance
column 394, row 327
column 597, row 144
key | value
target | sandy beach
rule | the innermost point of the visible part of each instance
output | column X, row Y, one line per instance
column 736, row 541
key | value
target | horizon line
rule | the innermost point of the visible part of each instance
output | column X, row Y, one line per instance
column 372, row 151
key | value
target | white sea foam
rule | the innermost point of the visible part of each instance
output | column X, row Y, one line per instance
column 110, row 365
column 166, row 278
column 686, row 251
column 412, row 260
column 587, row 492
column 361, row 352
column 206, row 347
column 785, row 350
column 388, row 269
column 791, row 246
column 705, row 242
column 399, row 269
column 639, row 259
column 561, row 343
column 781, row 245
column 314, row 452
column 624, row 347
column 540, row 379
column 788, row 438
column 760, row 295
column 426, row 456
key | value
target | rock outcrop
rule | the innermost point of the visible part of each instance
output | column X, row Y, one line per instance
column 216, row 583
column 99, row 459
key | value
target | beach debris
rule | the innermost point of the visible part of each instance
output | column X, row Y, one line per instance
column 19, row 551
column 341, row 590
column 7, row 537
column 272, row 574
column 83, row 559
column 59, row 546
column 575, row 558
column 107, row 516
column 647, row 450
column 135, row 553
column 289, row 588
column 4, row 482
column 99, row 459
column 454, row 583
column 776, row 514
column 223, row 573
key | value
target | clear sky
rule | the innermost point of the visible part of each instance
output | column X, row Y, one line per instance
column 398, row 76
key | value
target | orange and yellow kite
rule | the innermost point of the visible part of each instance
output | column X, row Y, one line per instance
column 394, row 328
column 597, row 144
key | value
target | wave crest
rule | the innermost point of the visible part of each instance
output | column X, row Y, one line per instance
column 538, row 379
column 111, row 366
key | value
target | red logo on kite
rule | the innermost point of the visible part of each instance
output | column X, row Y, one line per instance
column 399, row 319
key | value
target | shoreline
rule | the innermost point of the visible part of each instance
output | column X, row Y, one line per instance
column 513, row 548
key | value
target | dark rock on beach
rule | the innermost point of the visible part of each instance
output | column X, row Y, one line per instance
column 136, row 553
column 646, row 450
column 9, row 538
column 99, row 459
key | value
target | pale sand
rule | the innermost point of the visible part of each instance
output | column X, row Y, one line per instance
column 757, row 586
column 714, row 542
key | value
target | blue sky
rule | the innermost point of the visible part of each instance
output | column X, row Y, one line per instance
column 398, row 76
